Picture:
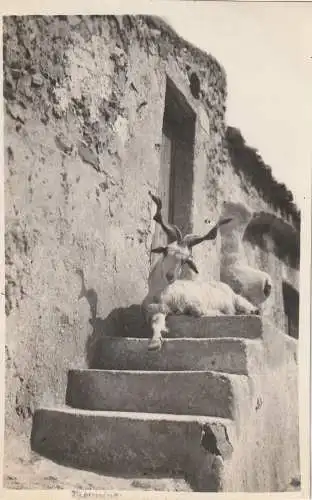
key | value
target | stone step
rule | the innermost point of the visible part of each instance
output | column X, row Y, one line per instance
column 136, row 443
column 176, row 392
column 231, row 355
column 214, row 326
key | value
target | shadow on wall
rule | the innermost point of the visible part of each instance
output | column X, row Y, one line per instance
column 121, row 322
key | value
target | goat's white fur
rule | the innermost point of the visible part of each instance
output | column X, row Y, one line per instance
column 194, row 298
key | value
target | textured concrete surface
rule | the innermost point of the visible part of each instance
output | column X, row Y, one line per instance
column 266, row 457
column 261, row 408
column 190, row 393
column 136, row 443
column 214, row 326
column 231, row 355
column 25, row 469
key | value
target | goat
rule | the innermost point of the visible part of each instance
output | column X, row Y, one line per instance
column 251, row 283
column 169, row 295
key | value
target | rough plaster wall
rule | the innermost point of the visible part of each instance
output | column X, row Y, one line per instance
column 273, row 307
column 215, row 181
column 266, row 455
column 84, row 101
column 83, row 118
column 230, row 186
column 76, row 195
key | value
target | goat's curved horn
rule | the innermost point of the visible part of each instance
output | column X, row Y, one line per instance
column 172, row 231
column 190, row 240
column 178, row 233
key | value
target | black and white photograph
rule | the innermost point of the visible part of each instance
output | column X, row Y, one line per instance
column 157, row 231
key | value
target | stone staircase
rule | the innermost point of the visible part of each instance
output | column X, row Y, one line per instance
column 180, row 411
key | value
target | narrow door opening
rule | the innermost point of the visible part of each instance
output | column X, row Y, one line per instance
column 291, row 308
column 176, row 169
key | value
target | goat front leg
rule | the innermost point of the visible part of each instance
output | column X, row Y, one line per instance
column 158, row 324
column 156, row 314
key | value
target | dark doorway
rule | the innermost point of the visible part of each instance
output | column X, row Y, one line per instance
column 177, row 155
column 291, row 308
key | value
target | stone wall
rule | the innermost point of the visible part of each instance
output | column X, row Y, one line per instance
column 84, row 102
column 84, row 99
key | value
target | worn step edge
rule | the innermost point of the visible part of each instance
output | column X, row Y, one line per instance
column 227, row 354
column 136, row 443
column 242, row 326
column 203, row 392
column 132, row 415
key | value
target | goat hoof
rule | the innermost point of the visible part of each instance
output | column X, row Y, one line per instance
column 155, row 345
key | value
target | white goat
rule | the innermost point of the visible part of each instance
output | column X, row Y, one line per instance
column 169, row 295
column 253, row 284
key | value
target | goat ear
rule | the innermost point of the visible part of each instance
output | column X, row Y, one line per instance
column 192, row 265
column 159, row 250
column 214, row 231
